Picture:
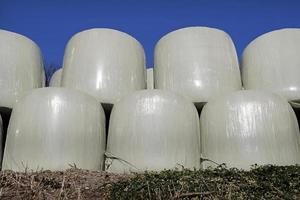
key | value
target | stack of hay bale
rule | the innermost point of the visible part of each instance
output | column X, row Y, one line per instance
column 105, row 111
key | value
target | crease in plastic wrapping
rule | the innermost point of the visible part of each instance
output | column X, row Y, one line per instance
column 105, row 63
column 150, row 80
column 55, row 80
column 249, row 127
column 21, row 67
column 153, row 130
column 197, row 62
column 271, row 62
column 53, row 129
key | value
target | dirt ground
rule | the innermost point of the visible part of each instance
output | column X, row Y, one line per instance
column 71, row 184
column 261, row 182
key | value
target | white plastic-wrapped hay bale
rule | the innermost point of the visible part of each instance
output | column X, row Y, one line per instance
column 271, row 62
column 249, row 127
column 55, row 80
column 21, row 67
column 150, row 81
column 104, row 63
column 197, row 62
column 54, row 128
column 153, row 130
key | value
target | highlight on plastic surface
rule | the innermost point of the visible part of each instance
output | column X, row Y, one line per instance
column 153, row 130
column 21, row 67
column 150, row 81
column 105, row 63
column 249, row 127
column 54, row 129
column 197, row 62
column 271, row 62
column 55, row 80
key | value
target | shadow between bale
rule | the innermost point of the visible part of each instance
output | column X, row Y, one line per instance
column 296, row 107
column 199, row 106
column 107, row 107
column 5, row 114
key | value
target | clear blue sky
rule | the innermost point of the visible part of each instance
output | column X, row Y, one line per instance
column 51, row 23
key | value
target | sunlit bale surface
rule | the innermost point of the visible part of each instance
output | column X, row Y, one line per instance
column 271, row 62
column 150, row 81
column 153, row 130
column 55, row 128
column 104, row 63
column 55, row 80
column 197, row 62
column 21, row 67
column 249, row 127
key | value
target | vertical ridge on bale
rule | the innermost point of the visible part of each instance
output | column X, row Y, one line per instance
column 150, row 79
column 55, row 80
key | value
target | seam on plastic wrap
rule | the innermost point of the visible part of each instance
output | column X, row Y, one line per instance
column 294, row 103
column 112, row 157
column 202, row 159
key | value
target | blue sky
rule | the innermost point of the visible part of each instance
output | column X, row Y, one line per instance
column 51, row 23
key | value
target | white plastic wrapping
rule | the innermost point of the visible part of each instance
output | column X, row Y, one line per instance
column 153, row 130
column 21, row 67
column 56, row 78
column 54, row 128
column 249, row 127
column 150, row 81
column 105, row 63
column 271, row 62
column 197, row 62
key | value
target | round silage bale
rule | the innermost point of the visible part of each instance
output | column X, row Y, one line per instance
column 104, row 63
column 150, row 81
column 271, row 62
column 197, row 62
column 153, row 130
column 249, row 127
column 21, row 67
column 55, row 80
column 55, row 128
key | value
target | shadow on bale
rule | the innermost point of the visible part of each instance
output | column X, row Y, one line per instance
column 5, row 114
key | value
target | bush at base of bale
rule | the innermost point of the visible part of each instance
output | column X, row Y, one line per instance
column 266, row 182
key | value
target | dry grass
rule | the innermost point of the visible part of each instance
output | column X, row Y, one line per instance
column 267, row 182
column 70, row 184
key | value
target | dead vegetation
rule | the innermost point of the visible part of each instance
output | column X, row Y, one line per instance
column 70, row 184
column 267, row 182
